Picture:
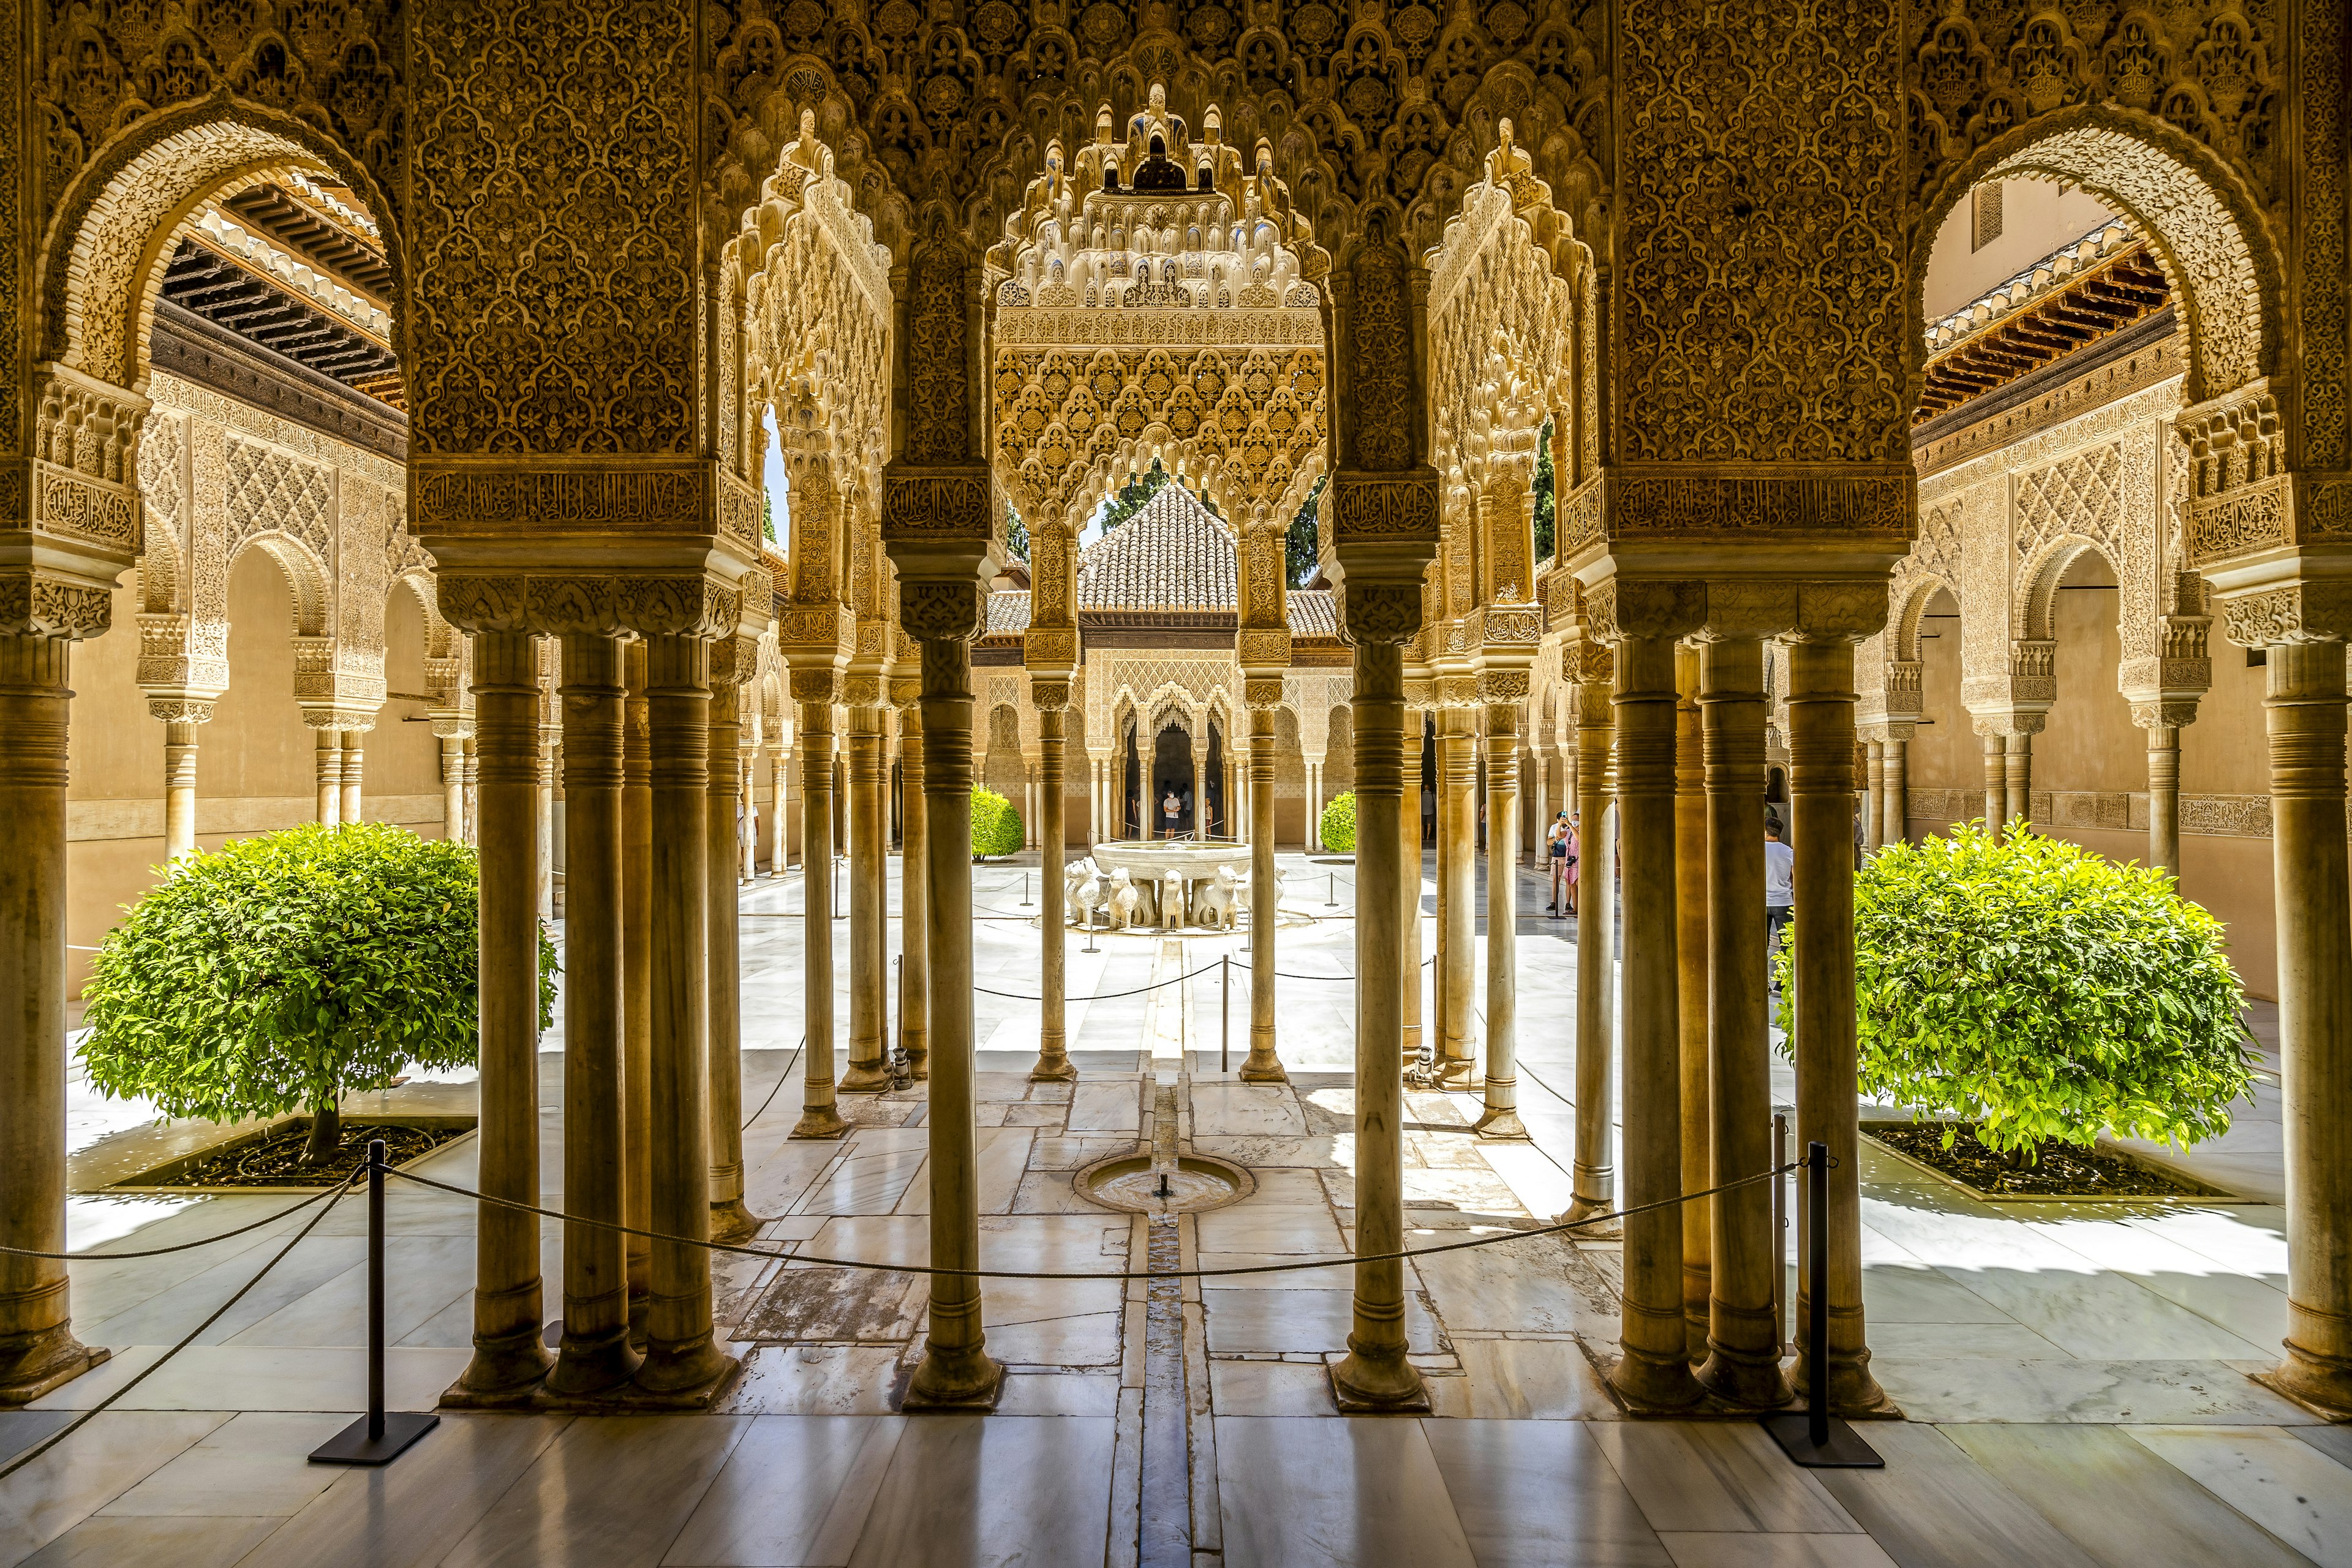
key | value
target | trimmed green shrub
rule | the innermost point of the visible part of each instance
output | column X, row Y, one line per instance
column 283, row 971
column 2042, row 991
column 995, row 824
column 1339, row 823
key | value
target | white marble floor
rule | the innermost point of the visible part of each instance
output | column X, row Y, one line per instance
column 2075, row 1377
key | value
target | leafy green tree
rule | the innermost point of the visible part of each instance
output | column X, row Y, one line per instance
column 2041, row 991
column 1545, row 487
column 767, row 517
column 1128, row 498
column 284, row 972
column 995, row 824
column 1301, row 545
column 1339, row 823
column 1016, row 534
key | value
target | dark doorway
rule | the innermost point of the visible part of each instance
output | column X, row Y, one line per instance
column 1172, row 774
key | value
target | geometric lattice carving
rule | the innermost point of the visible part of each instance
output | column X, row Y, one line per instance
column 2081, row 495
column 270, row 491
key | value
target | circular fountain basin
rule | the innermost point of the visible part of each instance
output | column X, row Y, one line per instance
column 1132, row 1183
column 1193, row 864
column 1192, row 858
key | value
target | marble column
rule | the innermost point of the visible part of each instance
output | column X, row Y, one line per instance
column 1499, row 1117
column 1996, row 779
column 1691, row 919
column 1744, row 1252
column 473, row 790
column 1051, row 697
column 1894, row 798
column 731, row 1219
column 1654, row 1371
column 1313, row 835
column 180, row 721
column 351, row 807
column 543, row 808
column 1409, row 759
column 914, row 889
column 1821, row 791
column 814, row 689
column 2017, row 776
column 2305, row 705
column 452, row 787
column 957, row 1371
column 869, row 871
column 1201, row 787
column 747, row 820
column 2163, row 790
column 1592, row 1172
column 1457, row 875
column 330, row 775
column 1375, row 1374
column 636, row 978
column 683, row 1361
column 37, row 1347
column 509, row 1359
column 780, row 763
column 594, row 1353
column 1873, row 792
column 1264, row 696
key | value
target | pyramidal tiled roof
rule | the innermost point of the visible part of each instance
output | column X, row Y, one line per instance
column 1312, row 613
column 1171, row 555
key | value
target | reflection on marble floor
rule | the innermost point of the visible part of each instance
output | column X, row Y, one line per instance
column 2075, row 1376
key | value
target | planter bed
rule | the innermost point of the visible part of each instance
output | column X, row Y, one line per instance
column 262, row 1159
column 2067, row 1172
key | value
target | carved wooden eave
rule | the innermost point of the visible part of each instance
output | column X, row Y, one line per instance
column 2066, row 302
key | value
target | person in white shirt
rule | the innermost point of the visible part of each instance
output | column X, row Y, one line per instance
column 1780, row 886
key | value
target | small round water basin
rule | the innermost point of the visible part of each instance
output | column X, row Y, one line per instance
column 1136, row 1183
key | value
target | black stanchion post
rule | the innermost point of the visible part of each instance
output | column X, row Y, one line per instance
column 1025, row 889
column 379, row 1436
column 1815, row 1440
column 1224, row 1017
column 1780, row 1229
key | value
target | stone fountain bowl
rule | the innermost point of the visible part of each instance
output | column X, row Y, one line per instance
column 1133, row 1183
column 1194, row 859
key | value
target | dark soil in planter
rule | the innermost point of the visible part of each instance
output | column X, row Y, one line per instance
column 277, row 1161
column 2064, row 1169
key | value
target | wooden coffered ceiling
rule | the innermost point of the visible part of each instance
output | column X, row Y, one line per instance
column 2064, row 303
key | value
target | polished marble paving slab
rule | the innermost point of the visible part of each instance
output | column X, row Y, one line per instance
column 1932, row 1507
column 2290, row 1489
column 97, row 1464
column 612, row 1492
column 1990, row 1388
column 1711, row 1478
column 794, row 1493
column 1703, row 1550
column 263, row 1377
column 256, row 1464
column 1524, row 1379
column 967, row 1491
column 181, row 1541
column 1540, row 1492
column 1301, row 1492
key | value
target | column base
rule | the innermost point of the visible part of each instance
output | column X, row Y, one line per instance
column 504, row 1371
column 733, row 1221
column 1054, row 1066
column 954, row 1381
column 585, row 1369
column 1454, row 1073
column 1753, row 1382
column 1500, row 1121
column 864, row 1078
column 918, row 1062
column 819, row 1121
column 1649, row 1386
column 1262, row 1066
column 2322, row 1385
column 32, row 1364
column 689, row 1376
column 1853, row 1392
column 1381, row 1385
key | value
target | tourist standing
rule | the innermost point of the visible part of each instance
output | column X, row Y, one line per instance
column 1779, row 888
column 1560, row 848
column 1168, row 809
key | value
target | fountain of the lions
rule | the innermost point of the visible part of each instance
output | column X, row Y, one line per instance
column 1164, row 884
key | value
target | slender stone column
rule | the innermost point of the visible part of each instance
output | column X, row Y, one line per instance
column 1500, row 1117
column 1996, row 780
column 1873, row 792
column 1201, row 787
column 1895, row 799
column 509, row 1358
column 1654, row 1372
column 682, row 1357
column 2305, row 705
column 1312, row 833
column 2163, row 793
column 1457, row 873
column 453, row 788
column 731, row 1219
column 1743, row 1337
column 1820, row 791
column 473, row 790
column 543, row 811
column 330, row 777
column 1051, row 697
column 37, row 1347
column 1691, row 919
column 180, row 721
column 595, row 1354
column 351, row 808
column 868, row 889
column 1410, row 739
column 914, row 890
column 957, row 1371
column 1592, row 1174
column 1262, row 694
column 1375, row 1374
column 637, row 979
column 746, row 819
column 2018, row 778
column 814, row 689
column 780, row 764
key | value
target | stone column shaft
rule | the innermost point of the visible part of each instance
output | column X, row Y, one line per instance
column 2017, row 776
column 731, row 1219
column 779, row 785
column 2305, row 712
column 473, row 790
column 509, row 1358
column 1499, row 1118
column 1457, row 873
column 1873, row 792
column 2164, row 797
column 1654, row 1372
column 352, row 807
column 820, row 1118
column 1052, row 1048
column 179, row 789
column 1376, row 1373
column 1410, row 740
column 37, row 1347
column 331, row 776
column 1821, row 793
column 637, row 979
column 1691, row 919
column 869, row 898
column 453, row 788
column 595, row 1354
column 1894, row 801
column 1744, row 1255
column 543, row 820
column 1263, row 1066
column 914, row 900
column 1996, row 784
column 1593, row 1172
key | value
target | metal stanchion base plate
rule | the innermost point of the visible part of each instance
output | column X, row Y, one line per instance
column 1845, row 1450
column 351, row 1445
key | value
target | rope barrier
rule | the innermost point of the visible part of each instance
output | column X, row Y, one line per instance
column 183, row 1247
column 332, row 1196
column 1560, row 1227
column 1103, row 997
